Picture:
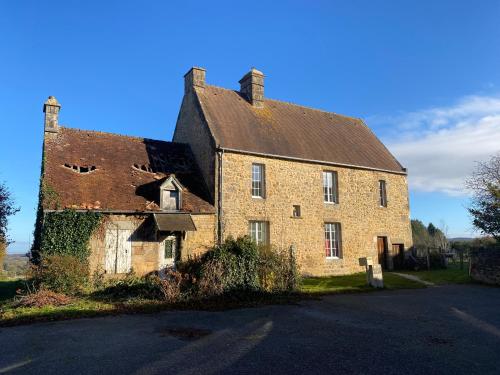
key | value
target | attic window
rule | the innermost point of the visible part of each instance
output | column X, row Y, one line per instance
column 82, row 169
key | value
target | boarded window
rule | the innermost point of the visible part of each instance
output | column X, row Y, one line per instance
column 170, row 200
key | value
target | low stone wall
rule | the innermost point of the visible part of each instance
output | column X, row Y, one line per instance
column 485, row 265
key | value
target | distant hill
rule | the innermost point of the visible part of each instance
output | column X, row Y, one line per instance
column 15, row 265
column 18, row 247
column 461, row 239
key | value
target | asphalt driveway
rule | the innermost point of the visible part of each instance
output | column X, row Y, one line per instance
column 439, row 330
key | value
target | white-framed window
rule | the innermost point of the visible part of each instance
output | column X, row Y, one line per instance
column 332, row 240
column 259, row 232
column 382, row 193
column 330, row 187
column 258, row 179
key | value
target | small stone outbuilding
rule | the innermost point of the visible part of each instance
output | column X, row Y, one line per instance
column 155, row 204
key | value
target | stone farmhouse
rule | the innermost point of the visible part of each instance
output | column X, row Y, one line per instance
column 318, row 183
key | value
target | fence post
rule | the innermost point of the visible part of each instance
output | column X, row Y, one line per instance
column 461, row 259
column 428, row 258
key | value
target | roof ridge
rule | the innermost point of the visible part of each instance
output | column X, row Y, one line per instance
column 118, row 135
column 295, row 104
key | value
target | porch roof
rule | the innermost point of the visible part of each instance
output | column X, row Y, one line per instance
column 174, row 222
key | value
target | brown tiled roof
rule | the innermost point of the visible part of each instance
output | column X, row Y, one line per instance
column 290, row 130
column 116, row 184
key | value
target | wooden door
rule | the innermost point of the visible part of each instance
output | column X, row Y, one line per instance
column 118, row 250
column 382, row 251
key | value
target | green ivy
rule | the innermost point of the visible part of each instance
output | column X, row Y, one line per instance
column 68, row 232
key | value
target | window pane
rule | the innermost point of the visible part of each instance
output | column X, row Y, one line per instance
column 334, row 187
column 332, row 240
column 169, row 246
column 382, row 193
column 257, row 180
column 258, row 231
column 330, row 187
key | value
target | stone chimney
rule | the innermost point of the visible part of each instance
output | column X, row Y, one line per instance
column 195, row 77
column 51, row 109
column 252, row 86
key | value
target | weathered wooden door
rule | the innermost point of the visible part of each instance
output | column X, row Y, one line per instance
column 118, row 250
column 382, row 251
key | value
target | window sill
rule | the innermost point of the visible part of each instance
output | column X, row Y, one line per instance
column 330, row 203
column 296, row 217
column 255, row 197
column 333, row 258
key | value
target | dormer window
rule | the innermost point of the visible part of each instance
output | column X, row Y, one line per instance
column 170, row 195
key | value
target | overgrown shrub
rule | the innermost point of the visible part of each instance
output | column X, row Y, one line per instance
column 241, row 265
column 277, row 270
column 61, row 273
column 229, row 267
column 131, row 286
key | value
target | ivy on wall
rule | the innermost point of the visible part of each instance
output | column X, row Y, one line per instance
column 68, row 232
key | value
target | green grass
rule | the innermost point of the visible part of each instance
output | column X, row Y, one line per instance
column 353, row 283
column 451, row 275
column 86, row 306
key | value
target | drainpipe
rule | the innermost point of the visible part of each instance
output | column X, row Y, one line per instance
column 220, row 153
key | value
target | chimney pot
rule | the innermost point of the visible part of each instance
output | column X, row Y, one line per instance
column 195, row 77
column 252, row 86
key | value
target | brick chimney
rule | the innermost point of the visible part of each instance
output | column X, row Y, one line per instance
column 195, row 77
column 252, row 86
column 51, row 109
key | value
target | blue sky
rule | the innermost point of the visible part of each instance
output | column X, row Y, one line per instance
column 423, row 74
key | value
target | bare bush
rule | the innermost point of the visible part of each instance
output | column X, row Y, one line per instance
column 42, row 298
column 170, row 286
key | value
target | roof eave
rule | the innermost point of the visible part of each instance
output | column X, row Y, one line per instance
column 324, row 162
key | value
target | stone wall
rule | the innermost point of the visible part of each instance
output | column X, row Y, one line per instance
column 198, row 242
column 190, row 129
column 485, row 265
column 146, row 245
column 291, row 183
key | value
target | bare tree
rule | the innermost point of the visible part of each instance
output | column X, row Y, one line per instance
column 6, row 209
column 485, row 207
column 443, row 239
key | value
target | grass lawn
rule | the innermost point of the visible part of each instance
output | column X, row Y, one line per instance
column 86, row 306
column 451, row 275
column 353, row 283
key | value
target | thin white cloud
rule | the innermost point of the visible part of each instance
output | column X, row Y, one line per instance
column 440, row 146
